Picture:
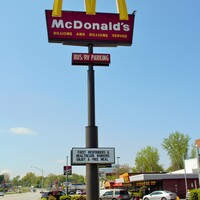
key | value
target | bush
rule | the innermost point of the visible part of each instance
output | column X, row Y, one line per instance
column 51, row 197
column 65, row 197
column 74, row 197
column 195, row 194
column 142, row 191
column 79, row 197
column 136, row 194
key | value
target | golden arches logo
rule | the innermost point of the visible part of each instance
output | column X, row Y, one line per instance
column 90, row 6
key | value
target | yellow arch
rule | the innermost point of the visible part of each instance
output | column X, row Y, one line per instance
column 90, row 6
column 57, row 8
column 122, row 9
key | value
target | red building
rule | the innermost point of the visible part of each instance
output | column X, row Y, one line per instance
column 178, row 183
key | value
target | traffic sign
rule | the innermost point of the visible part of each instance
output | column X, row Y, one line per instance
column 67, row 170
column 87, row 58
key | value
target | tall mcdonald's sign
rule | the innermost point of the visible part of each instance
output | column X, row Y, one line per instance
column 90, row 6
column 89, row 27
column 101, row 29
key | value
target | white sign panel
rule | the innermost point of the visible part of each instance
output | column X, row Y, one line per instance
column 82, row 156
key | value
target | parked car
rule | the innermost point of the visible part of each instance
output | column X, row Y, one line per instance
column 160, row 195
column 115, row 194
column 79, row 192
column 47, row 195
column 72, row 192
column 103, row 191
column 1, row 193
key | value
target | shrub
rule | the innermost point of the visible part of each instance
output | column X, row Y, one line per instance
column 136, row 194
column 65, row 197
column 51, row 197
column 142, row 191
column 79, row 197
column 195, row 194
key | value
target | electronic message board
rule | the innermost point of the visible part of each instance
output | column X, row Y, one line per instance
column 82, row 156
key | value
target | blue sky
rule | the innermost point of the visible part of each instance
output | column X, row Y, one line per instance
column 150, row 89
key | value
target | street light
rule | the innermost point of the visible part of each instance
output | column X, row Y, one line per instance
column 41, row 170
column 118, row 162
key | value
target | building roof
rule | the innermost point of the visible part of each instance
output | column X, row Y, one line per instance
column 146, row 177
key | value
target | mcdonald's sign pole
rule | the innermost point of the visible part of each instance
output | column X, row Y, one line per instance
column 92, row 171
column 90, row 29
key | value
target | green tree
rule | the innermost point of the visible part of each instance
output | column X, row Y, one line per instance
column 61, row 178
column 49, row 181
column 193, row 153
column 147, row 160
column 176, row 146
column 39, row 182
column 6, row 177
column 29, row 179
column 75, row 178
column 16, row 181
column 1, row 179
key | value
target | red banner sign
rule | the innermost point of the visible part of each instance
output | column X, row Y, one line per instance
column 77, row 28
column 67, row 170
column 94, row 59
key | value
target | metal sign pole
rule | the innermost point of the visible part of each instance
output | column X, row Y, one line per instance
column 67, row 175
column 92, row 173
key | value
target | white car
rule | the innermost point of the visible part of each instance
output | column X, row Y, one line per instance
column 1, row 193
column 79, row 192
column 160, row 195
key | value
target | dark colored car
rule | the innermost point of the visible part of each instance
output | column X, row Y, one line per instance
column 56, row 194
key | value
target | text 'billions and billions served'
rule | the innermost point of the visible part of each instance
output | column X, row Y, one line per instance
column 77, row 25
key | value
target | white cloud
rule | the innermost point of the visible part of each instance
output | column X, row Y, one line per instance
column 22, row 131
column 5, row 171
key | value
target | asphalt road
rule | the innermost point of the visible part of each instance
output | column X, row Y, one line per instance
column 22, row 196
